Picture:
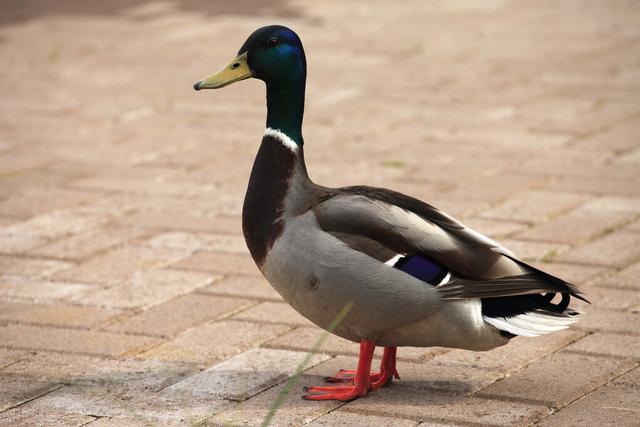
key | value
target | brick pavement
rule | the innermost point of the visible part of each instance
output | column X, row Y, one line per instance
column 127, row 296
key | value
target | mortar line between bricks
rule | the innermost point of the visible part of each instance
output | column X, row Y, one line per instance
column 98, row 328
column 221, row 294
column 615, row 287
column 118, row 356
column 20, row 359
column 559, row 408
column 343, row 353
column 141, row 311
column 342, row 404
column 169, row 337
column 57, row 387
column 75, row 187
column 27, row 169
column 36, row 258
column 136, row 241
column 514, row 399
column 578, row 138
column 202, row 270
column 95, row 418
column 609, row 331
column 490, row 217
column 596, row 354
column 72, row 328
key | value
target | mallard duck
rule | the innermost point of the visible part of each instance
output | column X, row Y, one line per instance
column 411, row 274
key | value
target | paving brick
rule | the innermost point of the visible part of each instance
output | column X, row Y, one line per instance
column 632, row 157
column 219, row 263
column 440, row 407
column 133, row 421
column 120, row 264
column 144, row 408
column 15, row 390
column 578, row 274
column 496, row 188
column 80, row 246
column 595, row 185
column 534, row 206
column 293, row 411
column 147, row 288
column 170, row 220
column 13, row 242
column 273, row 312
column 614, row 204
column 519, row 352
column 597, row 319
column 457, row 208
column 304, row 338
column 55, row 314
column 615, row 404
column 244, row 375
column 616, row 138
column 123, row 375
column 25, row 416
column 39, row 201
column 230, row 243
column 434, row 376
column 617, row 249
column 179, row 314
column 576, row 226
column 608, row 344
column 38, row 289
column 494, row 228
column 58, row 224
column 528, row 250
column 558, row 379
column 213, row 342
column 36, row 178
column 244, row 287
column 23, row 157
column 549, row 134
column 6, row 221
column 349, row 419
column 31, row 267
column 72, row 340
column 7, row 357
column 610, row 299
column 627, row 278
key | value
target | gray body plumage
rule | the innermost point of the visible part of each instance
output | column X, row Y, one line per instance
column 332, row 244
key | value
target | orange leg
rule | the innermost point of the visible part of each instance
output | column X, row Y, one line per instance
column 378, row 379
column 361, row 381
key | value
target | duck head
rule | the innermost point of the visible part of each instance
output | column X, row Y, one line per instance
column 273, row 54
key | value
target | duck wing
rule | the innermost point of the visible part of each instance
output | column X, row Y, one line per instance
column 384, row 223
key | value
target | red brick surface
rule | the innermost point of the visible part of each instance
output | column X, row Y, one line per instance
column 127, row 296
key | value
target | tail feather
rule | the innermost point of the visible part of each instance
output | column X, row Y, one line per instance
column 533, row 323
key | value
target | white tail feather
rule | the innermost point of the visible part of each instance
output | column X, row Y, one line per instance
column 531, row 324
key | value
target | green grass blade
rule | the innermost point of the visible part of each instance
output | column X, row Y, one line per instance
column 296, row 376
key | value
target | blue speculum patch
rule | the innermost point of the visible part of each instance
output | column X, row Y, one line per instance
column 421, row 268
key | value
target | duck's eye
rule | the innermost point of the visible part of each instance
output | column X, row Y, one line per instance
column 272, row 42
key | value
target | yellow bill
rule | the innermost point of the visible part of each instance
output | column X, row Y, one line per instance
column 234, row 72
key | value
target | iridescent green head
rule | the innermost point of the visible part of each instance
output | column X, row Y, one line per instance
column 273, row 54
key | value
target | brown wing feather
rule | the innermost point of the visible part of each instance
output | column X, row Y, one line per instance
column 482, row 268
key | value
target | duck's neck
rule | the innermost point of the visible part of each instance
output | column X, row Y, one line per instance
column 285, row 107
